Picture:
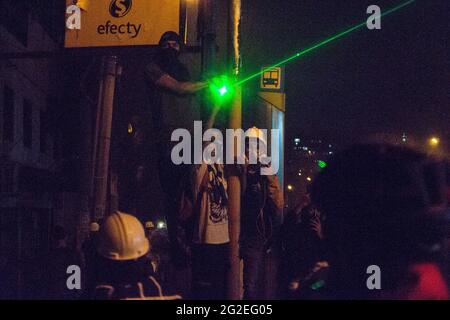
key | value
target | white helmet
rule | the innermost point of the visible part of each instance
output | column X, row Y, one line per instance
column 94, row 227
column 122, row 237
column 254, row 132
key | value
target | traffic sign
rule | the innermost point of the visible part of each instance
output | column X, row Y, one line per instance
column 122, row 22
column 272, row 79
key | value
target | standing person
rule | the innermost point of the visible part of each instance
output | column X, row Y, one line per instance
column 302, row 242
column 210, row 249
column 171, row 92
column 262, row 204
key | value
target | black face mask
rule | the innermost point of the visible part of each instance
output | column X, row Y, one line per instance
column 168, row 61
column 171, row 53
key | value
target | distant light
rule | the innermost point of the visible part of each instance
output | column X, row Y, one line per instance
column 404, row 138
column 297, row 140
column 130, row 128
column 309, row 179
column 434, row 141
column 317, row 285
column 290, row 187
column 322, row 164
column 305, row 148
column 161, row 225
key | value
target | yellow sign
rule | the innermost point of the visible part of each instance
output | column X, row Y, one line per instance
column 272, row 79
column 120, row 22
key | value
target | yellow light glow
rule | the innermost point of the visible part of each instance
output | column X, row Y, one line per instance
column 434, row 141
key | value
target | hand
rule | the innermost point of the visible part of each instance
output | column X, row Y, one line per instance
column 317, row 227
column 294, row 285
column 201, row 85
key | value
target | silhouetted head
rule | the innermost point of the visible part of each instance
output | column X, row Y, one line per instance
column 377, row 200
column 170, row 47
column 171, row 42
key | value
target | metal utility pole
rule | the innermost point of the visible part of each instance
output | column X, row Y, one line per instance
column 234, row 182
column 102, row 138
column 234, row 206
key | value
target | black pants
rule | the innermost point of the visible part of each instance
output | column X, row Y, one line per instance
column 210, row 265
column 253, row 254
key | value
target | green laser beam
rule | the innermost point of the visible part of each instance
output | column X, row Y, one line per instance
column 322, row 43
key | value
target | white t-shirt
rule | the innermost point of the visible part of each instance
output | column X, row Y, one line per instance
column 212, row 226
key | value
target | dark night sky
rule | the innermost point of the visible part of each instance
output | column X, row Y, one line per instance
column 390, row 80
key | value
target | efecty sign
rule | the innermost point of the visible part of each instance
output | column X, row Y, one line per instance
column 101, row 23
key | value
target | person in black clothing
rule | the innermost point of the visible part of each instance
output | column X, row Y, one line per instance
column 379, row 202
column 261, row 206
column 302, row 242
column 171, row 91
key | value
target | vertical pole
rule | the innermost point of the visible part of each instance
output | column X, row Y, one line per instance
column 234, row 182
column 234, row 206
column 103, row 138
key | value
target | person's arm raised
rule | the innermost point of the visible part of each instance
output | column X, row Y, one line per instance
column 179, row 87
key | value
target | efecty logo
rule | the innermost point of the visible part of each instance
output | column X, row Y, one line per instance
column 120, row 8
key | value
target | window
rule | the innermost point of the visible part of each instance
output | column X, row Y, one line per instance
column 27, row 124
column 8, row 115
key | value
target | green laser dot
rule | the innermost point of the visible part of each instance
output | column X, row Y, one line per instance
column 223, row 91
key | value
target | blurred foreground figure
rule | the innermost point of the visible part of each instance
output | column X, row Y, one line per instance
column 302, row 243
column 378, row 200
column 127, row 273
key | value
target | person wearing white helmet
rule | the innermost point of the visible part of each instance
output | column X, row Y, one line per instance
column 262, row 203
column 127, row 274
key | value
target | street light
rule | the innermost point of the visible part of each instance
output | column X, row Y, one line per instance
column 290, row 187
column 434, row 141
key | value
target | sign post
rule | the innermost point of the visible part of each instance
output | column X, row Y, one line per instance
column 273, row 102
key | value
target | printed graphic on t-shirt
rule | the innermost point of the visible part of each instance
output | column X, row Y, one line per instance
column 217, row 195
